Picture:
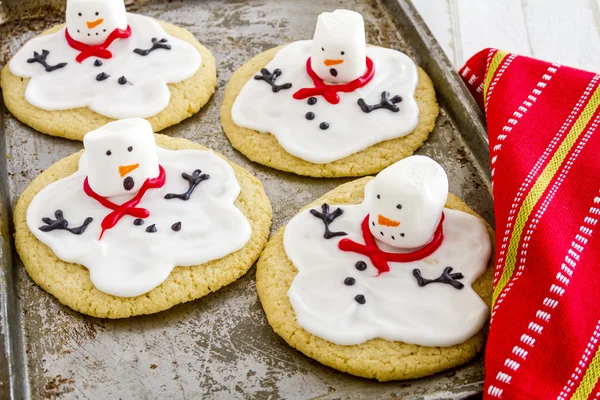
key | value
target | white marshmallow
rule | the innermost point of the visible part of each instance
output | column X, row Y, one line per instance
column 119, row 152
column 339, row 46
column 91, row 21
column 406, row 201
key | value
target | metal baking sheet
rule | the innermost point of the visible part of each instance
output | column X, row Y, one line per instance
column 218, row 347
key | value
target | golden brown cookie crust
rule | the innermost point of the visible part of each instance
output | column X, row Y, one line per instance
column 71, row 284
column 264, row 148
column 187, row 97
column 377, row 358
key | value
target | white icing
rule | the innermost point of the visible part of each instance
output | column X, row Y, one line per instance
column 91, row 21
column 110, row 160
column 75, row 85
column 339, row 42
column 419, row 186
column 350, row 130
column 396, row 307
column 128, row 260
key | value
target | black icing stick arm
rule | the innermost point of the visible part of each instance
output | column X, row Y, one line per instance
column 270, row 78
column 62, row 224
column 447, row 277
column 156, row 44
column 193, row 180
column 41, row 58
column 385, row 102
column 327, row 219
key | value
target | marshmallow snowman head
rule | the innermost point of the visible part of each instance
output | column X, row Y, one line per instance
column 405, row 202
column 91, row 21
column 121, row 156
column 338, row 52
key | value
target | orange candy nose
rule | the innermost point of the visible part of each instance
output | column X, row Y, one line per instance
column 329, row 62
column 93, row 24
column 125, row 169
column 381, row 220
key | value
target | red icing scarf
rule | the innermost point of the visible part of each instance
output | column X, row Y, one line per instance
column 380, row 258
column 99, row 50
column 127, row 208
column 330, row 92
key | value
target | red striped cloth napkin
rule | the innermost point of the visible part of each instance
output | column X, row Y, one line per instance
column 542, row 121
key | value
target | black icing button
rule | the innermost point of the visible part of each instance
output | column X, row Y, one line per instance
column 361, row 265
column 310, row 116
column 312, row 101
column 138, row 222
column 102, row 76
column 360, row 299
column 122, row 80
column 176, row 226
column 97, row 63
column 324, row 125
column 349, row 281
column 151, row 228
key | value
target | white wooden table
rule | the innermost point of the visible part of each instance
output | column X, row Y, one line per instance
column 562, row 31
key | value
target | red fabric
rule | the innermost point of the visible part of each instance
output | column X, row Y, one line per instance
column 380, row 258
column 543, row 121
column 129, row 207
column 330, row 92
column 99, row 50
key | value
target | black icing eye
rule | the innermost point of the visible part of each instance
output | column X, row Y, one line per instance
column 322, row 49
column 108, row 152
column 79, row 14
column 402, row 234
column 97, row 13
column 399, row 206
column 378, row 196
column 130, row 149
column 343, row 53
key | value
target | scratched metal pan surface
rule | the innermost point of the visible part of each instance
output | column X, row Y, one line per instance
column 219, row 347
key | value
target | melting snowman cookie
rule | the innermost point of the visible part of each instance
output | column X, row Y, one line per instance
column 330, row 97
column 117, row 64
column 401, row 269
column 184, row 198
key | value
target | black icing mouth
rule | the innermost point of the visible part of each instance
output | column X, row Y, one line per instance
column 128, row 183
column 333, row 72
